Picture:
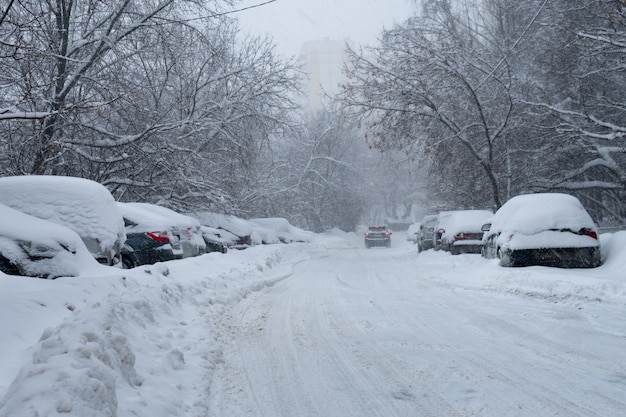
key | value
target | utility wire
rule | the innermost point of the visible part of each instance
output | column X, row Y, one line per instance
column 254, row 6
column 517, row 42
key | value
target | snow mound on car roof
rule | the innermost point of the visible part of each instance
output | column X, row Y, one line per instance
column 84, row 206
column 144, row 220
column 533, row 213
column 466, row 221
column 177, row 219
column 236, row 225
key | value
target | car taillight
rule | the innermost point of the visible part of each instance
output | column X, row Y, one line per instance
column 386, row 233
column 367, row 233
column 160, row 236
column 461, row 236
column 589, row 232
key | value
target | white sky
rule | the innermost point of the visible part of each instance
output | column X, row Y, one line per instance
column 294, row 22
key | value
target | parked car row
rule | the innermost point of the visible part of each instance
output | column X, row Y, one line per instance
column 52, row 226
column 548, row 229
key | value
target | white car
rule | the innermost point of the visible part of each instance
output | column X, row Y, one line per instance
column 549, row 229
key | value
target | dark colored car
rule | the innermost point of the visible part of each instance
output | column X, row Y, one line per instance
column 549, row 229
column 150, row 238
column 425, row 233
column 377, row 236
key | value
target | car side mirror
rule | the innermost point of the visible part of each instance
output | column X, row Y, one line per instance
column 486, row 227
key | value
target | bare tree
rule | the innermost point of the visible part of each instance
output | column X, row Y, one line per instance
column 431, row 86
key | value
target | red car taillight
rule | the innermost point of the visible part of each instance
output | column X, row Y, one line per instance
column 160, row 236
column 367, row 234
column 387, row 234
column 462, row 236
column 589, row 232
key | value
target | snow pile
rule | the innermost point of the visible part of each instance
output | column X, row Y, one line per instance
column 604, row 284
column 136, row 342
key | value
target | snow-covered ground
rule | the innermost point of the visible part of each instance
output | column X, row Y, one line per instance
column 325, row 328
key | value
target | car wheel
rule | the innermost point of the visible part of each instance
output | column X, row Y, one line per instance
column 128, row 262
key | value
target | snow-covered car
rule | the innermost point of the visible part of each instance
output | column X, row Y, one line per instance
column 33, row 247
column 150, row 237
column 549, row 229
column 285, row 231
column 463, row 233
column 425, row 233
column 377, row 236
column 236, row 226
column 84, row 206
column 191, row 240
column 440, row 227
column 412, row 231
column 216, row 240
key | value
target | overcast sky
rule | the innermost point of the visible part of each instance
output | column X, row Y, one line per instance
column 293, row 22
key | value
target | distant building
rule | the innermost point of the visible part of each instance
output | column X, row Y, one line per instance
column 323, row 63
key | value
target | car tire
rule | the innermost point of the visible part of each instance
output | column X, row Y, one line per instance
column 128, row 262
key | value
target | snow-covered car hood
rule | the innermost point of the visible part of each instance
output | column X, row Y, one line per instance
column 40, row 248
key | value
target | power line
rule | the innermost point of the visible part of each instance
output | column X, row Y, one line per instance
column 517, row 41
column 254, row 6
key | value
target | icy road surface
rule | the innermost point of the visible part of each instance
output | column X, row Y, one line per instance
column 388, row 332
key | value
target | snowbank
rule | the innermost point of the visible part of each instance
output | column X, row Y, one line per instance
column 108, row 345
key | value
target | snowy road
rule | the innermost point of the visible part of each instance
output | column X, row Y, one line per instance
column 392, row 333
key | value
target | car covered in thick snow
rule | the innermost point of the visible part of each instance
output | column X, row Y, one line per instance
column 240, row 228
column 82, row 205
column 216, row 240
column 462, row 232
column 549, row 229
column 285, row 231
column 412, row 231
column 33, row 247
